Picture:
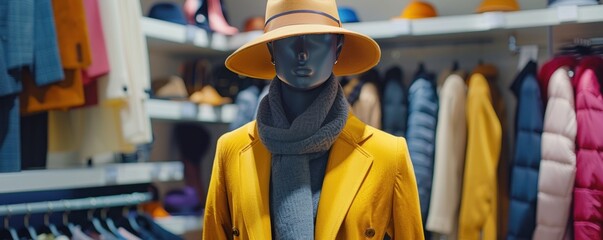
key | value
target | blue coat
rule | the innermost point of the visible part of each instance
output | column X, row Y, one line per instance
column 420, row 135
column 394, row 107
column 27, row 39
column 526, row 158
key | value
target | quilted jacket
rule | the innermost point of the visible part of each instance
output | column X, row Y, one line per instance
column 558, row 164
column 526, row 158
column 394, row 103
column 420, row 134
column 588, row 187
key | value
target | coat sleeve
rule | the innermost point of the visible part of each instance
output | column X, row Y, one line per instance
column 217, row 223
column 406, row 216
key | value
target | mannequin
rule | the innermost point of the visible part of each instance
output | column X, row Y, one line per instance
column 304, row 63
column 307, row 168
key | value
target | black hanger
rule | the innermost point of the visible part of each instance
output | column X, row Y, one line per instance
column 455, row 65
column 421, row 68
column 575, row 49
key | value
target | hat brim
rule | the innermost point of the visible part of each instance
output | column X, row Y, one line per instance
column 358, row 54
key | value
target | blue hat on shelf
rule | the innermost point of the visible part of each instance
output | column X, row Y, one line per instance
column 170, row 12
column 555, row 3
column 347, row 15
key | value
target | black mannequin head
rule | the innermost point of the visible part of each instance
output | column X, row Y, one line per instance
column 305, row 62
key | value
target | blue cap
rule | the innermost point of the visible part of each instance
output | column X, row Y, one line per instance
column 347, row 15
column 170, row 12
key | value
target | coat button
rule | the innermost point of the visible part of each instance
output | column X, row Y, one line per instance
column 235, row 232
column 369, row 233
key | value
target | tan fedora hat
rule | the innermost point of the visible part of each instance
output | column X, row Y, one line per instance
column 287, row 18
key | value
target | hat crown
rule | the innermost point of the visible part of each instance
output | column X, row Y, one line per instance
column 276, row 7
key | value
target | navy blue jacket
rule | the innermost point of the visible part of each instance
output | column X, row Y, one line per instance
column 394, row 107
column 420, row 134
column 526, row 158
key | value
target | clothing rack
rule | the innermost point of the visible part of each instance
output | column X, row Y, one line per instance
column 75, row 204
column 589, row 41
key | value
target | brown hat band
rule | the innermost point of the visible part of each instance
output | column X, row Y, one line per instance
column 297, row 17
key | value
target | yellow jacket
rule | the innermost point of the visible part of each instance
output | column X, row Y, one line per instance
column 478, row 212
column 369, row 188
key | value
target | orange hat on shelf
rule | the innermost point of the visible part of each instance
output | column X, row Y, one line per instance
column 254, row 24
column 498, row 6
column 418, row 9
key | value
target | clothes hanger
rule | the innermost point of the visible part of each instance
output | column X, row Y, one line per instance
column 125, row 223
column 110, row 224
column 421, row 69
column 94, row 224
column 49, row 227
column 8, row 232
column 30, row 230
column 455, row 65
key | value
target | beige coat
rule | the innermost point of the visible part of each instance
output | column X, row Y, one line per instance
column 451, row 137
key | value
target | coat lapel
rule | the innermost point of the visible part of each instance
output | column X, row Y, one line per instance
column 347, row 167
column 346, row 170
column 254, row 187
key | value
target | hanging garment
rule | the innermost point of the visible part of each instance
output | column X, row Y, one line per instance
column 356, row 198
column 558, row 164
column 363, row 96
column 497, row 92
column 28, row 30
column 420, row 134
column 10, row 135
column 451, row 137
column 588, row 188
column 526, row 160
column 394, row 103
column 121, row 119
column 247, row 102
column 478, row 212
column 74, row 49
column 34, row 46
column 100, row 61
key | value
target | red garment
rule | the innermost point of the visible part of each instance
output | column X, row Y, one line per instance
column 100, row 61
column 588, row 188
column 549, row 68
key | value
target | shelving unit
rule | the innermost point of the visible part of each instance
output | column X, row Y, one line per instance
column 171, row 34
column 188, row 111
column 101, row 176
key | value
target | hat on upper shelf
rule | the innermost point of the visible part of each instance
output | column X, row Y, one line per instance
column 288, row 18
column 498, row 6
column 254, row 24
column 347, row 15
column 170, row 12
column 418, row 9
column 556, row 3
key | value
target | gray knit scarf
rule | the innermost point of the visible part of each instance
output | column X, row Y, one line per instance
column 293, row 145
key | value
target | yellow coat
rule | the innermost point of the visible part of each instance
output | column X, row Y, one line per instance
column 478, row 213
column 369, row 188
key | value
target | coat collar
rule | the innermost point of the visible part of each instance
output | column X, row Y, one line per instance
column 347, row 167
column 354, row 130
